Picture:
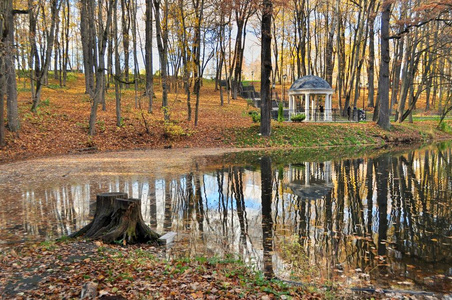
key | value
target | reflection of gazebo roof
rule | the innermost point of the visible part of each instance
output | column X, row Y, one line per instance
column 310, row 83
column 315, row 190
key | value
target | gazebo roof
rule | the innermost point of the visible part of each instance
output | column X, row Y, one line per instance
column 310, row 83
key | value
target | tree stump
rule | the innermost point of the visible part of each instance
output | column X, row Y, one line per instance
column 118, row 219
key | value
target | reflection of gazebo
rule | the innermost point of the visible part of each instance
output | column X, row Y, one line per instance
column 312, row 181
column 308, row 86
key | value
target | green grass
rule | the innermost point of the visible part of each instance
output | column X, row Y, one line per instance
column 302, row 136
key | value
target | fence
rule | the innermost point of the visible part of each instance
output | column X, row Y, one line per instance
column 331, row 115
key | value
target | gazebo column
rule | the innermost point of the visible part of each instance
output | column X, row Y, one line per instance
column 290, row 106
column 306, row 106
column 331, row 107
column 313, row 106
column 327, row 107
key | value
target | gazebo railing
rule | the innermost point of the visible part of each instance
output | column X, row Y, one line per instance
column 318, row 115
column 330, row 115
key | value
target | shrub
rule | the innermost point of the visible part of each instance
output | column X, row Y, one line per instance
column 45, row 102
column 174, row 131
column 298, row 118
column 444, row 127
column 255, row 116
column 280, row 112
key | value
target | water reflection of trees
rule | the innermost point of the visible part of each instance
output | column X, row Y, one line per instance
column 386, row 215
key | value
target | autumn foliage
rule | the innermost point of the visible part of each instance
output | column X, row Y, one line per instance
column 60, row 124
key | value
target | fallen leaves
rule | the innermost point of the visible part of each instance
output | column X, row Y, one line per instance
column 65, row 269
column 61, row 127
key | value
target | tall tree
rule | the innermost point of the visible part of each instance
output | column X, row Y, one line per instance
column 243, row 9
column 102, row 39
column 65, row 36
column 148, row 55
column 266, row 67
column 371, row 58
column 161, row 26
column 10, row 71
column 2, row 74
column 88, row 37
column 383, row 87
column 41, row 65
column 186, row 58
column 117, row 68
column 136, row 71
column 126, row 22
column 198, row 6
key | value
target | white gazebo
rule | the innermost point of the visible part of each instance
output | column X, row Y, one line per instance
column 310, row 89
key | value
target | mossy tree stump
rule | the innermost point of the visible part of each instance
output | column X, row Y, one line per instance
column 118, row 218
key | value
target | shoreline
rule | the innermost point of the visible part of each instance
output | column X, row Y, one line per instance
column 237, row 139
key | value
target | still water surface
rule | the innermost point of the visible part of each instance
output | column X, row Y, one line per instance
column 380, row 221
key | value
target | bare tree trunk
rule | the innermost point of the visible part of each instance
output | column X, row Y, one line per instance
column 2, row 94
column 185, row 58
column 371, row 60
column 66, row 30
column 275, row 54
column 87, row 32
column 149, row 62
column 162, row 44
column 99, row 94
column 56, row 46
column 329, row 56
column 136, row 72
column 125, row 22
column 221, row 59
column 243, row 11
column 41, row 70
column 10, row 70
column 199, row 10
column 2, row 75
column 266, row 67
column 238, row 54
column 383, row 115
column 118, row 74
column 340, row 55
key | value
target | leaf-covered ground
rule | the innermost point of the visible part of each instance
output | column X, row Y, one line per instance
column 66, row 269
column 59, row 270
column 60, row 125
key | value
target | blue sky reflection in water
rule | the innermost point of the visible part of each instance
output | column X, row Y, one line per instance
column 373, row 221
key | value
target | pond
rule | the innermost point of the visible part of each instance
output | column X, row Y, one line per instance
column 378, row 219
